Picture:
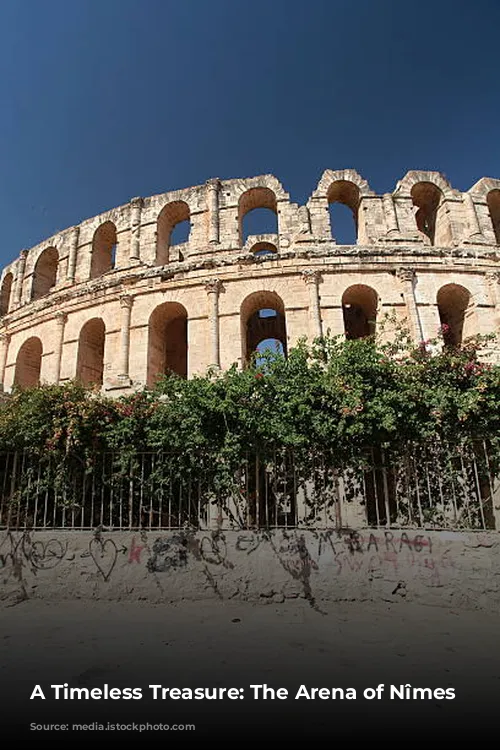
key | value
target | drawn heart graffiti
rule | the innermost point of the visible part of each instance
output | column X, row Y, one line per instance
column 44, row 555
column 104, row 555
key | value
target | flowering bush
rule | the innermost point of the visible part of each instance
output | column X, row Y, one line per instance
column 337, row 395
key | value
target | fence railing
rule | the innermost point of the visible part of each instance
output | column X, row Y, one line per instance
column 429, row 487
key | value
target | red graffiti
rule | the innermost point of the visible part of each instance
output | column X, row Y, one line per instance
column 134, row 554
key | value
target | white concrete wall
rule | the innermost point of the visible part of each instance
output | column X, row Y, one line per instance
column 436, row 568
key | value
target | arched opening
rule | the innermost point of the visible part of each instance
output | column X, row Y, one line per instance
column 427, row 197
column 167, row 342
column 359, row 307
column 493, row 200
column 268, row 345
column 103, row 250
column 180, row 233
column 5, row 293
column 29, row 364
column 343, row 204
column 257, row 213
column 45, row 273
column 172, row 228
column 455, row 313
column 90, row 358
column 269, row 487
column 262, row 319
column 264, row 250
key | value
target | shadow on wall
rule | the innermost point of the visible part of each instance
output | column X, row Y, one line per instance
column 168, row 342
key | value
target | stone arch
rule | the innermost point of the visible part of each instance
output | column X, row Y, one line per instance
column 429, row 192
column 29, row 364
column 252, row 199
column 427, row 199
column 482, row 187
column 170, row 216
column 167, row 341
column 342, row 187
column 90, row 357
column 456, row 313
column 346, row 193
column 330, row 176
column 412, row 178
column 5, row 293
column 262, row 316
column 103, row 250
column 263, row 247
column 493, row 201
column 45, row 273
column 268, row 181
column 359, row 307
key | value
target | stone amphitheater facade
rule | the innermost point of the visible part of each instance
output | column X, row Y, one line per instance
column 114, row 302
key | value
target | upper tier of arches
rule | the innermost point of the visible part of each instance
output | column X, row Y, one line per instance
column 255, row 217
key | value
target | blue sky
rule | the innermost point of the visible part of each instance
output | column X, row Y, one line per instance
column 107, row 99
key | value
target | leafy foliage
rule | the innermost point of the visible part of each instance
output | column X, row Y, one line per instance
column 335, row 396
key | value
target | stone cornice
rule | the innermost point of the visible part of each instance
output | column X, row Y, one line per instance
column 385, row 258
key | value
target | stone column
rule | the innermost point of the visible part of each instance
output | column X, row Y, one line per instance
column 213, row 287
column 407, row 279
column 213, row 187
column 21, row 265
column 73, row 250
column 493, row 281
column 390, row 213
column 471, row 213
column 126, row 302
column 4, row 349
column 312, row 279
column 135, row 228
column 61, row 319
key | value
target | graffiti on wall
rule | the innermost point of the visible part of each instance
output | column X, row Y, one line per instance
column 225, row 561
column 19, row 550
column 351, row 552
column 169, row 553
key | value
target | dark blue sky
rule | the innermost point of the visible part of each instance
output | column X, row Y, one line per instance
column 107, row 99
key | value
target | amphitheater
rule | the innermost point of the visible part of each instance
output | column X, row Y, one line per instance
column 118, row 300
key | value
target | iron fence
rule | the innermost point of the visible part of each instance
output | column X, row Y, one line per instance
column 428, row 487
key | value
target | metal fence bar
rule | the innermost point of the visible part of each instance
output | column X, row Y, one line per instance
column 430, row 487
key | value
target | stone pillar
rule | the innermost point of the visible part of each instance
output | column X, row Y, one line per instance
column 312, row 279
column 135, row 229
column 61, row 319
column 493, row 281
column 304, row 219
column 213, row 187
column 390, row 213
column 72, row 255
column 21, row 265
column 407, row 279
column 471, row 213
column 126, row 302
column 213, row 287
column 4, row 349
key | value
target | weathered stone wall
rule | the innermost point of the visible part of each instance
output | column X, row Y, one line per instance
column 437, row 568
column 211, row 276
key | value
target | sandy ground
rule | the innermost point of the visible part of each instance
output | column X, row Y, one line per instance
column 210, row 644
